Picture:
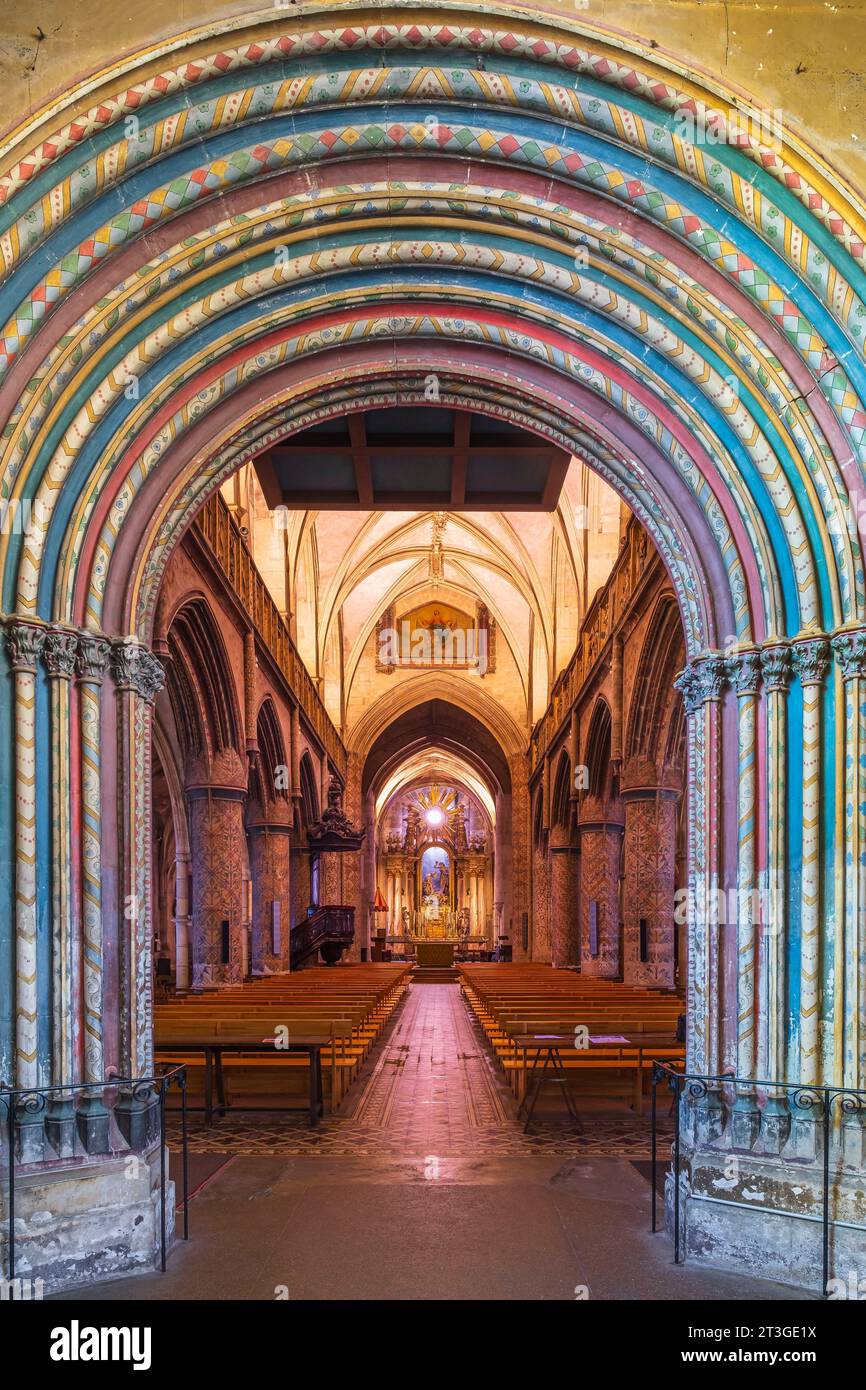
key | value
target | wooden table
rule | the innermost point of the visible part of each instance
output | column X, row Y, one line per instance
column 551, row 1045
column 213, row 1046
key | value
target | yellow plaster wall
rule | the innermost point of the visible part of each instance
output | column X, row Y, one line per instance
column 803, row 57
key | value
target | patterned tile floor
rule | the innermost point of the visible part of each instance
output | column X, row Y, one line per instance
column 430, row 1086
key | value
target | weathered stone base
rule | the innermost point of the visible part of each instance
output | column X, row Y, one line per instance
column 87, row 1222
column 762, row 1217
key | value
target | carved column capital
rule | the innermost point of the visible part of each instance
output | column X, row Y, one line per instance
column 811, row 660
column 776, row 666
column 92, row 658
column 135, row 668
column 60, row 653
column 850, row 651
column 24, row 644
column 702, row 680
column 744, row 672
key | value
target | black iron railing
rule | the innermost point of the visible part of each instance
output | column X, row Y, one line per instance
column 24, row 1106
column 818, row 1101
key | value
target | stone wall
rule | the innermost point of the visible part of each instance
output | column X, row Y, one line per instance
column 620, row 834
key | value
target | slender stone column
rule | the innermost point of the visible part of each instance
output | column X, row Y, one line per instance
column 182, row 922
column 776, row 669
column 295, row 751
column 850, row 651
column 745, row 672
column 24, row 644
column 139, row 677
column 59, row 654
column 701, row 684
column 93, row 653
column 810, row 662
column 398, row 896
column 353, row 896
column 502, row 868
column 617, row 701
column 324, row 784
column 250, row 666
column 521, row 849
column 541, row 906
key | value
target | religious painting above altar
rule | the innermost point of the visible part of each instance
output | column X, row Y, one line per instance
column 434, row 869
column 436, row 634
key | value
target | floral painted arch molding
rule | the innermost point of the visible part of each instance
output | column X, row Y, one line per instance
column 247, row 228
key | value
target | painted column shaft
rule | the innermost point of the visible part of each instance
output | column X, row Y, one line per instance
column 138, row 678
column 747, row 672
column 772, row 1052
column 60, row 651
column 810, row 659
column 181, row 922
column 25, row 644
column 92, row 659
column 850, row 651
column 701, row 684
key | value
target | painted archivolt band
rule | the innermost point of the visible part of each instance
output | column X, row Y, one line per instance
column 815, row 471
column 545, row 221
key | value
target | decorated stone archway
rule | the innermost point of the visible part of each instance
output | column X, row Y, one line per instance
column 525, row 217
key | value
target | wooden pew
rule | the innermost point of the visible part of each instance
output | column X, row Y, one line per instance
column 344, row 1009
column 605, row 1032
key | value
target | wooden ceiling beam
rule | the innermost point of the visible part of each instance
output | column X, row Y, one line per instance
column 268, row 480
column 361, row 461
column 460, row 457
column 534, row 453
column 559, row 465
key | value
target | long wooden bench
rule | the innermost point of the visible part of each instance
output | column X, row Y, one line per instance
column 341, row 1009
column 606, row 1033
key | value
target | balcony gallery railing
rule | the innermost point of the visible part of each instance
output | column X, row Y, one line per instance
column 824, row 1105
column 222, row 535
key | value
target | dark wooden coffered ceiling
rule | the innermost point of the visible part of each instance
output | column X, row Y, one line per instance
column 406, row 457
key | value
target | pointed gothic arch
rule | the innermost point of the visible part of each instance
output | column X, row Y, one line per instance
column 652, row 694
column 560, row 808
column 597, row 754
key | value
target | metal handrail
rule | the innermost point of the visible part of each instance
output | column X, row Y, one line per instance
column 33, row 1100
column 804, row 1096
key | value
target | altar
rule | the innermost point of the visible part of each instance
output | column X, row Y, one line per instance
column 439, row 953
